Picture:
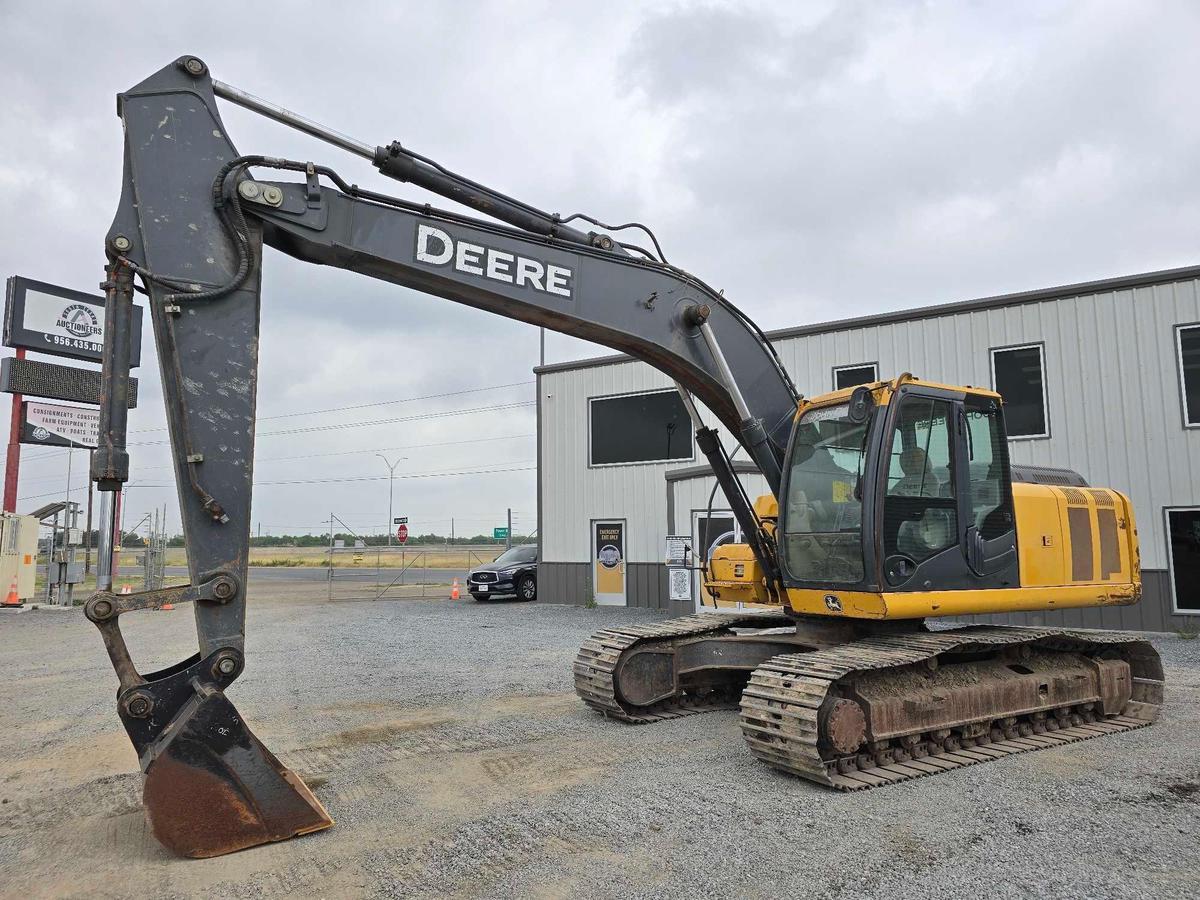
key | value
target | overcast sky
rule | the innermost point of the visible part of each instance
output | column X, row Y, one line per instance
column 815, row 160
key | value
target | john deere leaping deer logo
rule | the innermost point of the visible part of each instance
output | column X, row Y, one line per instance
column 80, row 321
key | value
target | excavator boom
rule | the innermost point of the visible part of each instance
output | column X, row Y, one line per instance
column 191, row 225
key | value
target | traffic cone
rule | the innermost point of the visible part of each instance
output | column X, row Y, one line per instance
column 13, row 599
column 454, row 594
column 126, row 589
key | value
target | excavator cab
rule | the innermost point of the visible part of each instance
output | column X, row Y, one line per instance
column 899, row 486
column 899, row 501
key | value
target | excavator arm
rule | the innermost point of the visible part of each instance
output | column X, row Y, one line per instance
column 192, row 221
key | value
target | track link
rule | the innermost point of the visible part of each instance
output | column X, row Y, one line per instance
column 597, row 661
column 781, row 705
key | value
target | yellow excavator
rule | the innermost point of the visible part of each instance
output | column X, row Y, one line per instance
column 891, row 505
column 899, row 505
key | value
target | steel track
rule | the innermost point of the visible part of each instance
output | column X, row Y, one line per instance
column 598, row 657
column 780, row 705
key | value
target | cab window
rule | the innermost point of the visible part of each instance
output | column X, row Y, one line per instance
column 822, row 538
column 919, row 515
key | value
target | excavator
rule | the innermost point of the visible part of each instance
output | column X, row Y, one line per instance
column 891, row 504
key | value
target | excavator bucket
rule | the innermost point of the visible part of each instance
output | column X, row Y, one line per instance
column 212, row 787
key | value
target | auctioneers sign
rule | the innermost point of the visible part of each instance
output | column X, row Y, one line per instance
column 55, row 425
column 57, row 320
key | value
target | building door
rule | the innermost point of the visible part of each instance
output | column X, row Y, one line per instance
column 608, row 562
column 705, row 530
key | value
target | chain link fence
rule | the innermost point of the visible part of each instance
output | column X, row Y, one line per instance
column 382, row 573
column 388, row 573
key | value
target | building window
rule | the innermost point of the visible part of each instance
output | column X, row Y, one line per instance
column 853, row 376
column 1019, row 377
column 1187, row 340
column 638, row 428
column 1183, row 556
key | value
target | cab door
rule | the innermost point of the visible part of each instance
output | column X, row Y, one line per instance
column 945, row 521
column 990, row 533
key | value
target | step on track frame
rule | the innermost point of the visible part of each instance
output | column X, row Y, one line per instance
column 597, row 660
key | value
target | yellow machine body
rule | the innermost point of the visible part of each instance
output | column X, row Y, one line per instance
column 1076, row 547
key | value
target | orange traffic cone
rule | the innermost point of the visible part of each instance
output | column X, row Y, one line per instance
column 454, row 594
column 126, row 589
column 13, row 598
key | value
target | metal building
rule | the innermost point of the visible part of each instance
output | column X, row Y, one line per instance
column 1101, row 377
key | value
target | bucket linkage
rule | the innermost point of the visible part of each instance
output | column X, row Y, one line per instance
column 211, row 787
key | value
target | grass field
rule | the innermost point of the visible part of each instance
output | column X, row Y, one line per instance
column 395, row 558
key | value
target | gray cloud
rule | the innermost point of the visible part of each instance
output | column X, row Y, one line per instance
column 815, row 160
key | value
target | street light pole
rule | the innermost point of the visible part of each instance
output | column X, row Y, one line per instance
column 391, row 476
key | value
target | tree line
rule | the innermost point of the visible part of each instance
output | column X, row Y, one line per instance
column 370, row 540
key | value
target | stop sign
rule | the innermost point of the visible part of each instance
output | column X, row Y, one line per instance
column 402, row 533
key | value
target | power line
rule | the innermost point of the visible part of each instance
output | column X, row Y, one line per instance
column 373, row 422
column 358, row 478
column 507, row 437
column 315, row 412
column 336, row 409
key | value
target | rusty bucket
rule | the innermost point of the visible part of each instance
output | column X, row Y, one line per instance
column 212, row 787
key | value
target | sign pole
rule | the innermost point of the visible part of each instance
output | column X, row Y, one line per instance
column 12, row 465
column 87, row 534
column 104, row 543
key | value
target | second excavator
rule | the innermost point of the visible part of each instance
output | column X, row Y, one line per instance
column 891, row 505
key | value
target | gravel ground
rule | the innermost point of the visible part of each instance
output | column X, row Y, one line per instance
column 446, row 741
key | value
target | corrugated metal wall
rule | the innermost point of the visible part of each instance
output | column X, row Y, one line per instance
column 574, row 494
column 1112, row 385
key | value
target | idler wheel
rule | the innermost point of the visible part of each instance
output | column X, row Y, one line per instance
column 845, row 726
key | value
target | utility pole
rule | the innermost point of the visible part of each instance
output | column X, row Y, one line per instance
column 391, row 477
column 508, row 535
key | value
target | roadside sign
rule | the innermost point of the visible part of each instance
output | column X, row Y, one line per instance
column 51, row 319
column 34, row 378
column 402, row 533
column 499, row 534
column 55, row 425
column 400, row 520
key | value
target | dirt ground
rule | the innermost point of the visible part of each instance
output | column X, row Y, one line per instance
column 446, row 741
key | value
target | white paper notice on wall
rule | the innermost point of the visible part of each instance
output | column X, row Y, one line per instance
column 677, row 549
column 679, row 584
